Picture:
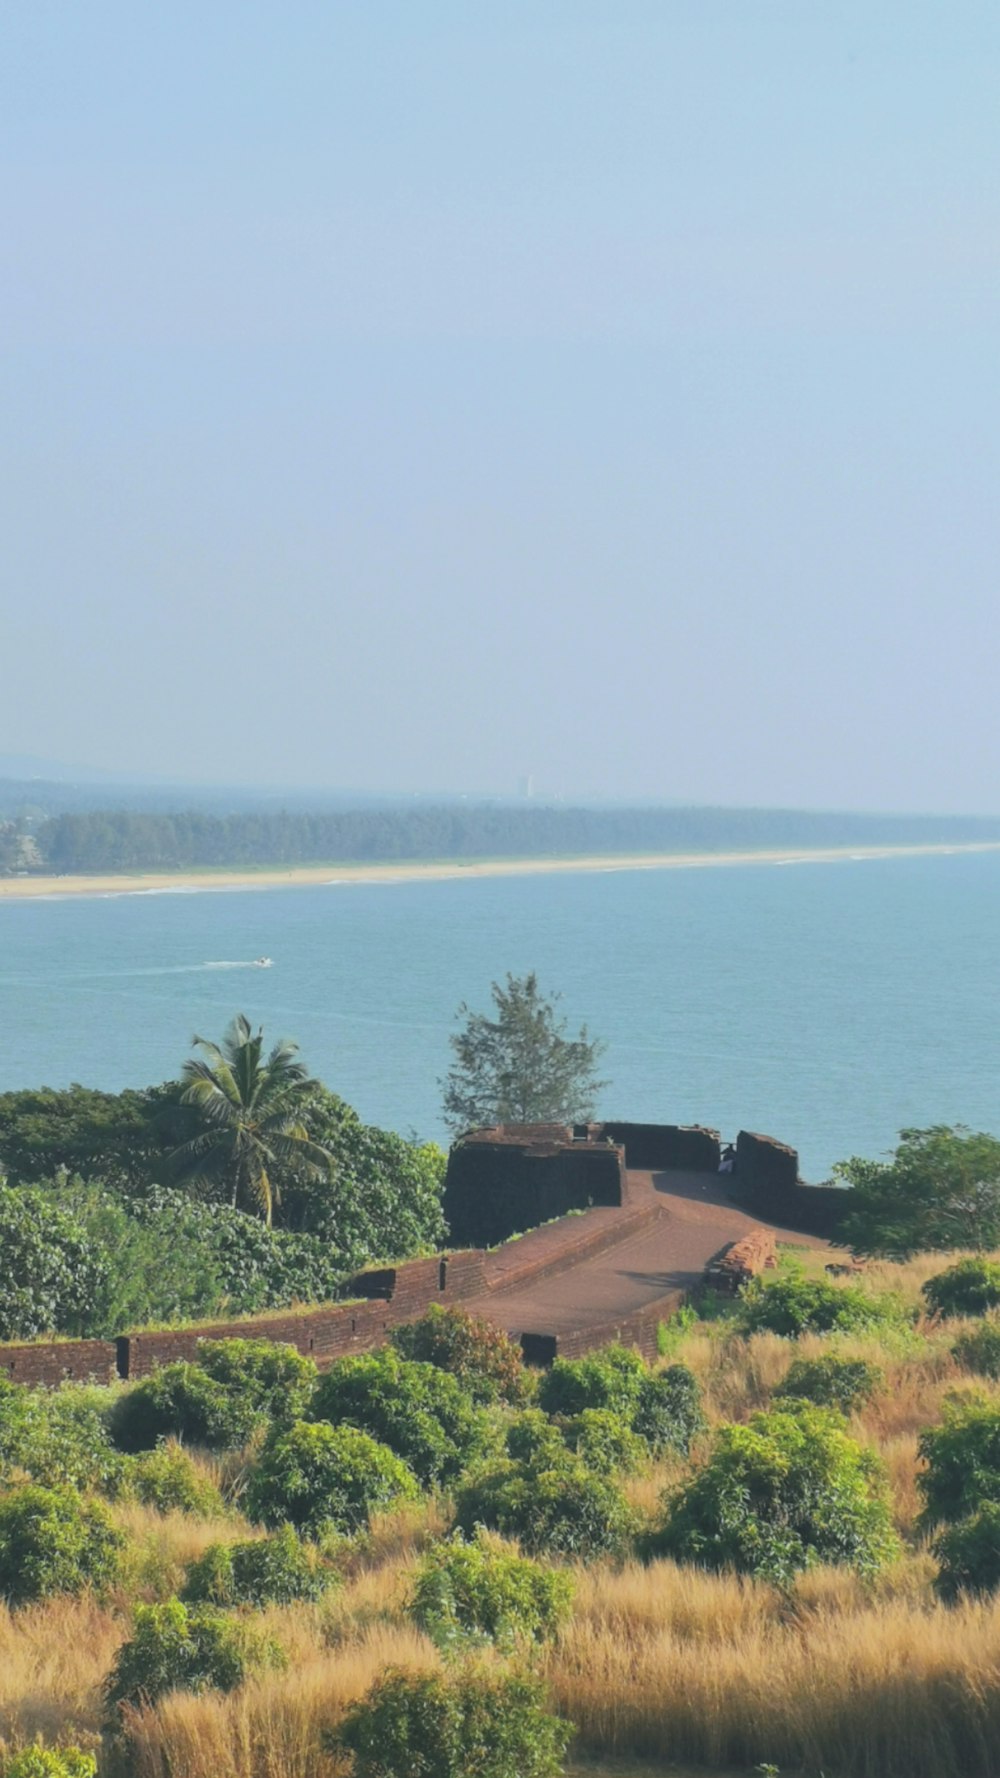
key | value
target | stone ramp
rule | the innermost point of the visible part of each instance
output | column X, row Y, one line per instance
column 674, row 1224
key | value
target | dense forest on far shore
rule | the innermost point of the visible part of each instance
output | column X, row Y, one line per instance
column 124, row 840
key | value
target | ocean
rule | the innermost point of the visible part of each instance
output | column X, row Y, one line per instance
column 828, row 1004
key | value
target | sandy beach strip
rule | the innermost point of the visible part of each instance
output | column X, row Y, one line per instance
column 314, row 876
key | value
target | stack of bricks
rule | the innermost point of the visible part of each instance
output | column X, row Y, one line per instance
column 755, row 1253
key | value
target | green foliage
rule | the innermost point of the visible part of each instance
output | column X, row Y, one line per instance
column 664, row 1410
column 979, row 1349
column 531, row 1437
column 468, row 1590
column 968, row 1288
column 420, row 1412
column 831, row 1382
column 49, row 1272
column 54, row 1541
column 604, row 1442
column 323, row 1478
column 940, row 1191
column 271, row 1379
column 58, row 1436
column 780, row 1494
column 467, row 1725
column 520, row 1067
column 552, row 1505
column 169, row 1480
column 669, row 1413
column 178, row 1647
column 969, row 1554
column 181, row 1401
column 797, row 1305
column 50, row 1762
column 484, row 1359
column 611, row 1378
column 275, row 1570
column 76, row 1130
column 383, row 1195
column 962, row 1458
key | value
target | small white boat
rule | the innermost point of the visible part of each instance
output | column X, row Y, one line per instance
column 262, row 962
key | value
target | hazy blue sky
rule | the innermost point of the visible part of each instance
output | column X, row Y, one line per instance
column 418, row 394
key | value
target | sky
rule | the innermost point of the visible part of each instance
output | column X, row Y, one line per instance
column 413, row 395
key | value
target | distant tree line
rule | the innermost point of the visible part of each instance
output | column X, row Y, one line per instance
column 124, row 840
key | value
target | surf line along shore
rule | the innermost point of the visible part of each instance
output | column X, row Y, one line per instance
column 314, row 876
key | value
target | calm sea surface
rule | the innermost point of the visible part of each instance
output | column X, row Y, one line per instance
column 827, row 1004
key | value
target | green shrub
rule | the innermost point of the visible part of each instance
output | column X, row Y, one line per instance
column 53, row 1541
column 169, row 1480
column 323, row 1478
column 275, row 1570
column 181, row 1401
column 799, row 1305
column 421, row 1413
column 968, row 1288
column 969, row 1555
column 605, row 1443
column 50, row 1270
column 560, row 1509
column 831, row 1382
column 59, row 1436
column 669, row 1414
column 468, row 1589
column 469, row 1725
column 270, row 1378
column 782, row 1493
column 50, row 1762
column 531, row 1437
column 979, row 1349
column 485, row 1360
column 176, row 1647
column 611, row 1378
column 962, row 1458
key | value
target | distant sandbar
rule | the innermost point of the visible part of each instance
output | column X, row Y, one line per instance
column 314, row 876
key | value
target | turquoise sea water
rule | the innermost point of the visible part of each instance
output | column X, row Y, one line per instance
column 827, row 1004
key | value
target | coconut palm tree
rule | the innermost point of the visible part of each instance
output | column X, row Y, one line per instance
column 252, row 1117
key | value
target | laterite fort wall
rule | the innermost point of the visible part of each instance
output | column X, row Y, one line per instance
column 767, row 1179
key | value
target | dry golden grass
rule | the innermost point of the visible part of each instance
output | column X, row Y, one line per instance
column 53, row 1661
column 273, row 1728
column 887, row 1687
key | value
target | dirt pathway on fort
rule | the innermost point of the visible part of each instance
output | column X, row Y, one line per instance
column 690, row 1220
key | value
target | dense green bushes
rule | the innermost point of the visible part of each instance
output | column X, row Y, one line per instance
column 465, row 1590
column 785, row 1491
column 552, row 1505
column 663, row 1410
column 464, row 1725
column 54, row 1541
column 170, row 1481
column 968, row 1288
column 420, row 1412
column 969, row 1554
column 274, row 1570
column 831, row 1382
column 176, row 1646
column 797, row 1305
column 323, row 1478
column 962, row 1458
column 59, row 1435
column 182, row 1401
column 50, row 1272
column 979, row 1349
column 484, row 1359
column 50, row 1762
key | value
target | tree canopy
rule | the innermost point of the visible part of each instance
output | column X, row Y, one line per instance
column 520, row 1066
column 940, row 1191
